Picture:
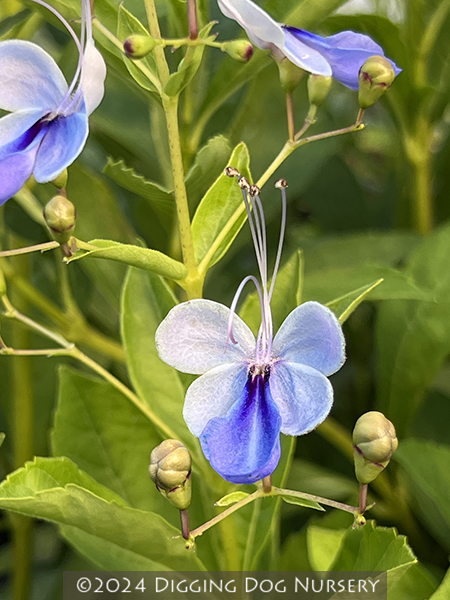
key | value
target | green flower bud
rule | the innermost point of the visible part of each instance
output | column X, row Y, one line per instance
column 170, row 471
column 375, row 77
column 60, row 215
column 137, row 46
column 61, row 181
column 318, row 88
column 374, row 443
column 240, row 50
column 290, row 75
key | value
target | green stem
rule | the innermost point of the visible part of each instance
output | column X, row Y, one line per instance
column 77, row 330
column 177, row 42
column 69, row 349
column 260, row 493
column 28, row 249
column 23, row 433
column 194, row 281
column 428, row 41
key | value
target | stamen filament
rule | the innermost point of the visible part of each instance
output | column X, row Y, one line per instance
column 280, row 241
column 237, row 295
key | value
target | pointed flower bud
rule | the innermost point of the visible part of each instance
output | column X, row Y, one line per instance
column 375, row 77
column 374, row 443
column 240, row 50
column 290, row 75
column 60, row 215
column 318, row 88
column 170, row 471
column 137, row 46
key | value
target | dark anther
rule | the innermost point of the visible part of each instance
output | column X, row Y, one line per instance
column 232, row 172
column 244, row 183
column 255, row 190
column 281, row 183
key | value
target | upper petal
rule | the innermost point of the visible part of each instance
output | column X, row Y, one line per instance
column 311, row 335
column 212, row 394
column 346, row 52
column 244, row 445
column 303, row 396
column 193, row 337
column 61, row 145
column 304, row 56
column 30, row 78
column 261, row 29
column 94, row 74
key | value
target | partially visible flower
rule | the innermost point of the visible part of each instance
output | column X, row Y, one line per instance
column 250, row 390
column 340, row 55
column 47, row 126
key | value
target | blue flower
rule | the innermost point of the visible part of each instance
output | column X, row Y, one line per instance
column 251, row 389
column 47, row 124
column 340, row 56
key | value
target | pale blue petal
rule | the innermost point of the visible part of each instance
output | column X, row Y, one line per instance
column 30, row 78
column 244, row 445
column 193, row 337
column 61, row 145
column 261, row 29
column 94, row 74
column 303, row 396
column 346, row 52
column 311, row 335
column 212, row 394
column 304, row 56
column 14, row 125
column 17, row 163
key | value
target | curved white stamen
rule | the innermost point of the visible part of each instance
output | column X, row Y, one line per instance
column 79, row 46
column 251, row 222
column 237, row 295
column 280, row 241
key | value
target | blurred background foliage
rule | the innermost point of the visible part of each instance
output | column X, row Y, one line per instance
column 366, row 206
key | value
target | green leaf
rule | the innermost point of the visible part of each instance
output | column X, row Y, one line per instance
column 345, row 305
column 426, row 464
column 302, row 502
column 220, row 215
column 106, row 219
column 159, row 198
column 323, row 546
column 416, row 584
column 188, row 66
column 413, row 338
column 135, row 256
column 2, row 438
column 286, row 295
column 128, row 25
column 146, row 300
column 209, row 162
column 92, row 427
column 371, row 548
column 103, row 528
column 324, row 285
column 443, row 591
column 231, row 498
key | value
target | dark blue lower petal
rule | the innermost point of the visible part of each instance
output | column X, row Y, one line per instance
column 244, row 445
column 346, row 52
column 17, row 160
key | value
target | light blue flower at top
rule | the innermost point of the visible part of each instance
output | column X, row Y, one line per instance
column 341, row 55
column 251, row 389
column 47, row 124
